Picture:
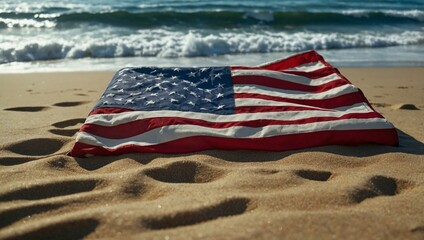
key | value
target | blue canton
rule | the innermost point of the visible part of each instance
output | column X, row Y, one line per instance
column 207, row 90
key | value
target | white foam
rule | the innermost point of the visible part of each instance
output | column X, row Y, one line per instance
column 413, row 14
column 108, row 43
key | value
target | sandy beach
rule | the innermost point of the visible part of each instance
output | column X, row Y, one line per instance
column 331, row 192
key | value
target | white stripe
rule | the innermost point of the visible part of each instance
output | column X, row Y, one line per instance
column 287, row 77
column 174, row 132
column 307, row 67
column 125, row 117
column 249, row 102
column 275, row 92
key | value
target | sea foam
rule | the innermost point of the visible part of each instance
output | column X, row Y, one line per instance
column 173, row 44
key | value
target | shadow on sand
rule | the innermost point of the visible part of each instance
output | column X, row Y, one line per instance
column 408, row 144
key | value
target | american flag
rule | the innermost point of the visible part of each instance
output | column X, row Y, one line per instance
column 298, row 102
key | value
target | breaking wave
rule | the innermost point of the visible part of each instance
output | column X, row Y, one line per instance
column 172, row 44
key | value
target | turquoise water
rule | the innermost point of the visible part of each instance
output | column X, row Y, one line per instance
column 105, row 34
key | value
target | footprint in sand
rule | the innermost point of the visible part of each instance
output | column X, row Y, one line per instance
column 185, row 172
column 50, row 189
column 15, row 214
column 64, row 132
column 377, row 186
column 66, row 124
column 27, row 109
column 225, row 208
column 380, row 104
column 11, row 161
column 404, row 106
column 314, row 175
column 60, row 229
column 36, row 146
column 69, row 104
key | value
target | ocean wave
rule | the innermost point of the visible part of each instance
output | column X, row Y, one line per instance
column 171, row 44
column 26, row 23
column 218, row 19
column 412, row 14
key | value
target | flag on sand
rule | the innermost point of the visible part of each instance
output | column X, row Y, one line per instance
column 297, row 102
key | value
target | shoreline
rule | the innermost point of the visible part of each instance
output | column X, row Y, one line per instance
column 396, row 56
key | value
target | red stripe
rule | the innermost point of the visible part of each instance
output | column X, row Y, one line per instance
column 291, row 62
column 319, row 73
column 339, row 101
column 141, row 126
column 286, row 85
column 255, row 109
column 107, row 110
column 277, row 143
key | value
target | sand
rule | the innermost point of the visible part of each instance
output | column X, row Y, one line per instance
column 332, row 192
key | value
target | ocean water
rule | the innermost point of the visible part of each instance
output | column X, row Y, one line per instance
column 75, row 35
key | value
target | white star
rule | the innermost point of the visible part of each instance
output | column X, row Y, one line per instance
column 129, row 101
column 138, row 84
column 219, row 95
column 160, row 75
column 193, row 84
column 135, row 93
column 158, row 85
column 220, row 85
column 185, row 88
column 172, row 93
column 148, row 89
column 218, row 75
column 142, row 75
column 118, row 99
column 204, row 69
column 191, row 103
column 110, row 95
column 133, row 77
column 193, row 93
column 122, row 71
column 150, row 102
column 208, row 91
column 105, row 102
column 119, row 80
column 220, row 107
column 174, row 77
column 173, row 100
column 182, row 95
column 206, row 99
column 185, row 81
column 114, row 86
column 192, row 74
column 204, row 80
column 153, row 71
column 176, row 69
column 121, row 90
column 174, row 84
column 154, row 94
